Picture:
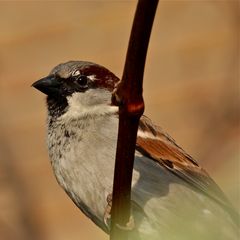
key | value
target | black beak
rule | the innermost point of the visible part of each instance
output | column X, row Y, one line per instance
column 49, row 85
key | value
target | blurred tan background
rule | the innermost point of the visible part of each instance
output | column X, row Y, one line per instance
column 191, row 89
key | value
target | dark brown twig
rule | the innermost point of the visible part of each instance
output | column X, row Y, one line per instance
column 128, row 96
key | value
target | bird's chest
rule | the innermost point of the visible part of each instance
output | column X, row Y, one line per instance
column 82, row 157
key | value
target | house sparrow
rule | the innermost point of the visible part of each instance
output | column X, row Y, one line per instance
column 172, row 196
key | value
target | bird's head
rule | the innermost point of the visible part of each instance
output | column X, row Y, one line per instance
column 77, row 85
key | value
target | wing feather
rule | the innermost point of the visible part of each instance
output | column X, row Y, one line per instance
column 160, row 147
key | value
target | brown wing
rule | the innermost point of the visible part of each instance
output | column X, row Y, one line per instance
column 160, row 147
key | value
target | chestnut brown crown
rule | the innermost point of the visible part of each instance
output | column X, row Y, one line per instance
column 75, row 76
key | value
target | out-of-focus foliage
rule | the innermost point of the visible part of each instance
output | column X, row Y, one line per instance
column 191, row 89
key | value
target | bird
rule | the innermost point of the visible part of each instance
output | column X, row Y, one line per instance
column 172, row 196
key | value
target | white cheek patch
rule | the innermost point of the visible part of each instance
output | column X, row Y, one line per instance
column 88, row 104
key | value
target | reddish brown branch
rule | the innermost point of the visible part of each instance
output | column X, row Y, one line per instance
column 128, row 96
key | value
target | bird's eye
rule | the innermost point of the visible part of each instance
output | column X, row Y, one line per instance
column 82, row 80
